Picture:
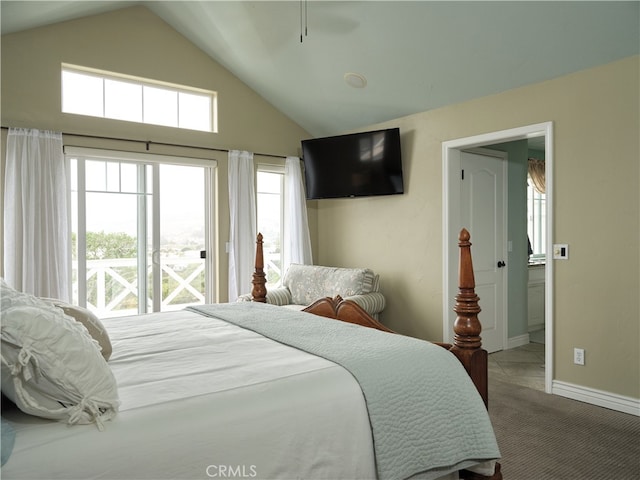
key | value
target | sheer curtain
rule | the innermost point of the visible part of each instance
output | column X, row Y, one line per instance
column 242, row 229
column 37, row 249
column 296, row 225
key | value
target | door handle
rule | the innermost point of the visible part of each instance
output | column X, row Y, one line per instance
column 501, row 264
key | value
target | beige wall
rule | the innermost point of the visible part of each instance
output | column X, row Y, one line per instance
column 596, row 211
column 136, row 42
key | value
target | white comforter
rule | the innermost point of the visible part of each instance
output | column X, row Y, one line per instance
column 188, row 386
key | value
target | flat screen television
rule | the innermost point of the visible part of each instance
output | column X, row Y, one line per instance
column 353, row 165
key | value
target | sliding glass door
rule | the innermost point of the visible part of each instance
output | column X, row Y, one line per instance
column 182, row 239
column 140, row 234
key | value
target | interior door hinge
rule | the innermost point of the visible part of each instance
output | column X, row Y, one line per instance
column 462, row 174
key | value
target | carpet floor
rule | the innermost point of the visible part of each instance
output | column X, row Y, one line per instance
column 547, row 437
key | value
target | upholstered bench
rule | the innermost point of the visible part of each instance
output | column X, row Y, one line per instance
column 304, row 284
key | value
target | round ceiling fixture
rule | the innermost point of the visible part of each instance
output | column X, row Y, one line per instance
column 355, row 80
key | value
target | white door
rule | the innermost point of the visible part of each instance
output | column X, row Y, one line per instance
column 483, row 191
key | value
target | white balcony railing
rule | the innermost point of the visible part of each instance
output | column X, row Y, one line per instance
column 112, row 284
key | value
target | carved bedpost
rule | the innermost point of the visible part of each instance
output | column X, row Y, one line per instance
column 467, row 327
column 467, row 343
column 259, row 291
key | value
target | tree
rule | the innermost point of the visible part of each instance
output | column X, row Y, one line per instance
column 113, row 245
column 101, row 245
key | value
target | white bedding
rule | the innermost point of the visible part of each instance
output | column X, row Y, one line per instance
column 188, row 386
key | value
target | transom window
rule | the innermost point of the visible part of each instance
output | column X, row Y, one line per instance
column 121, row 97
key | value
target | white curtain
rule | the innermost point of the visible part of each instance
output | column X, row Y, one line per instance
column 296, row 226
column 37, row 251
column 242, row 230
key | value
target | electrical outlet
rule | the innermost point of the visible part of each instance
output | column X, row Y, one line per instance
column 578, row 356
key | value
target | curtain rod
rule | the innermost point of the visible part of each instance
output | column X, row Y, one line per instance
column 151, row 142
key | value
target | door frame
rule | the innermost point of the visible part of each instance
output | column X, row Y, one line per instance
column 451, row 151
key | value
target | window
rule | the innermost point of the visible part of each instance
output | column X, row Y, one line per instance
column 536, row 222
column 138, row 232
column 121, row 97
column 270, row 213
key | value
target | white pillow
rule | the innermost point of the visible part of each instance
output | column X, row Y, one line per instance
column 51, row 366
column 91, row 322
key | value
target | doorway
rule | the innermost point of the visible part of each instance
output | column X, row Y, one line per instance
column 453, row 222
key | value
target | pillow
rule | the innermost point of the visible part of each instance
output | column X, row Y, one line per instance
column 51, row 366
column 92, row 323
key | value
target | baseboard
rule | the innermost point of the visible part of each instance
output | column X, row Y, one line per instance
column 518, row 341
column 600, row 398
column 537, row 337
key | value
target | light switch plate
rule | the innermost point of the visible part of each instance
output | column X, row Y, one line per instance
column 560, row 251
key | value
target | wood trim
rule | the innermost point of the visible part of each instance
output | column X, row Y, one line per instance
column 346, row 311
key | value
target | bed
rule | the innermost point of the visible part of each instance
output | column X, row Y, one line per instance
column 251, row 390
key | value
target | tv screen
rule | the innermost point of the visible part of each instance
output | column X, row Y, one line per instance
column 353, row 165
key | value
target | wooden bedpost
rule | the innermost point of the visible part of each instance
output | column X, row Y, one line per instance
column 467, row 343
column 259, row 291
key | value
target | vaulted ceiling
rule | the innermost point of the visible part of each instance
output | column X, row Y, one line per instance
column 412, row 56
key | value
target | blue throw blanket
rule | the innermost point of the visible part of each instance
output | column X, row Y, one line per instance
column 426, row 415
column 8, row 439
